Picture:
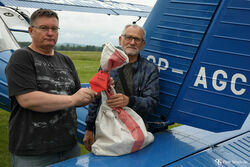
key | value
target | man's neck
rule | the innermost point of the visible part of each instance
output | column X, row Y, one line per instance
column 47, row 52
column 133, row 59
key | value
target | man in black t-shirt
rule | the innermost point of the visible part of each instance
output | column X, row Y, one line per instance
column 44, row 89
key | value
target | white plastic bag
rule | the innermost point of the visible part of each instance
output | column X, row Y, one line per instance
column 115, row 137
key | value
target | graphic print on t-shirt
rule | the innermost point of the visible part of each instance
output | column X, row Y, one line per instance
column 55, row 76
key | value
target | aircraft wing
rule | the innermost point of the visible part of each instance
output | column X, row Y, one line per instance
column 183, row 146
column 91, row 6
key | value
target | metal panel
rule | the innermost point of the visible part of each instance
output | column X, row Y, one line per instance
column 215, row 95
column 81, row 117
column 175, row 29
column 81, row 124
column 234, row 152
column 168, row 148
column 4, row 98
column 91, row 6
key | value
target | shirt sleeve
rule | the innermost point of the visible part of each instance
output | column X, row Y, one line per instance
column 20, row 73
column 93, row 109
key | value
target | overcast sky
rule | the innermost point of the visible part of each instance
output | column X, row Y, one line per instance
column 94, row 29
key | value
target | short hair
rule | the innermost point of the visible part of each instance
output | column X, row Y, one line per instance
column 42, row 13
column 136, row 26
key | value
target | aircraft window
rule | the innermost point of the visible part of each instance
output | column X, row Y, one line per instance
column 22, row 37
column 7, row 40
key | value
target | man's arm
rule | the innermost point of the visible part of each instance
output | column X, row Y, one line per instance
column 45, row 102
column 118, row 100
column 148, row 99
column 88, row 139
column 93, row 108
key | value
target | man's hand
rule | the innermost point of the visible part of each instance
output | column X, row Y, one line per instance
column 83, row 97
column 88, row 139
column 112, row 82
column 118, row 100
column 47, row 102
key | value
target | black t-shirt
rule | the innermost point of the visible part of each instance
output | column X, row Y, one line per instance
column 36, row 133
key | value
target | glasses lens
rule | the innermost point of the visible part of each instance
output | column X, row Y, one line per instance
column 130, row 38
column 46, row 28
column 54, row 28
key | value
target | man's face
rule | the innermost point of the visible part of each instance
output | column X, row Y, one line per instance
column 44, row 32
column 132, row 41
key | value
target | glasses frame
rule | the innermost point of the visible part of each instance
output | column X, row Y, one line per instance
column 130, row 38
column 46, row 28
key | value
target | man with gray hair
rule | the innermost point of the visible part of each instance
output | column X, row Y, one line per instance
column 136, row 83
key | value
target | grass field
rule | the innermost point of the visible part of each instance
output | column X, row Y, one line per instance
column 86, row 63
column 4, row 153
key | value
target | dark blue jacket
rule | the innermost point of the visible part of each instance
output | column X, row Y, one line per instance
column 145, row 87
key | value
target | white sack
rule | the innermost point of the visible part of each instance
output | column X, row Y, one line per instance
column 112, row 136
column 112, row 58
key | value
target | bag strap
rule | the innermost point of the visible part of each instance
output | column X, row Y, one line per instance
column 124, row 83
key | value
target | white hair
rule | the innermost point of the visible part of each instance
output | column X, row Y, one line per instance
column 136, row 26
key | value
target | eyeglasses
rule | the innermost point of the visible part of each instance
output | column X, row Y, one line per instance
column 130, row 38
column 46, row 28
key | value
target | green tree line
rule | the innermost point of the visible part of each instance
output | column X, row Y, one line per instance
column 69, row 47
